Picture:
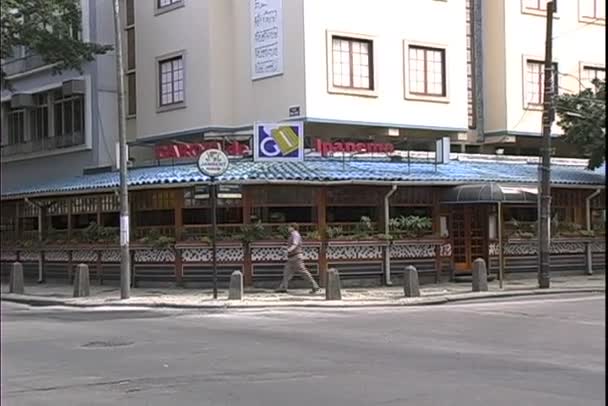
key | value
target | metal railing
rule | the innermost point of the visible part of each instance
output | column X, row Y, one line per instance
column 45, row 144
column 21, row 65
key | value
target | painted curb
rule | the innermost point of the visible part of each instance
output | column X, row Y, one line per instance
column 43, row 302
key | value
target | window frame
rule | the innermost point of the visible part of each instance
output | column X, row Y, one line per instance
column 540, row 11
column 588, row 66
column 529, row 105
column 408, row 94
column 159, row 61
column 588, row 19
column 372, row 55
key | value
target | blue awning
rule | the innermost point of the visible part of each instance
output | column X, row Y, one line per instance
column 323, row 171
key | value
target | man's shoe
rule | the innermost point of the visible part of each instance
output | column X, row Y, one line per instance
column 280, row 290
column 315, row 290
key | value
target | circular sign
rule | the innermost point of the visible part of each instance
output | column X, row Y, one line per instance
column 213, row 162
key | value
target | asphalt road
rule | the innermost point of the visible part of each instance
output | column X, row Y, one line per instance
column 513, row 352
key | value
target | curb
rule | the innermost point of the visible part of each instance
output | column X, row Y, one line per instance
column 470, row 296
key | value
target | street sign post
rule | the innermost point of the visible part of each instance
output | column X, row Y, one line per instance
column 213, row 163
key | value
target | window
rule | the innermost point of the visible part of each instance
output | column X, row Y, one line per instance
column 130, row 12
column 589, row 73
column 590, row 10
column 535, row 78
column 39, row 118
column 69, row 119
column 171, row 81
column 130, row 48
column 16, row 126
column 131, row 94
column 352, row 63
column 538, row 5
column 426, row 71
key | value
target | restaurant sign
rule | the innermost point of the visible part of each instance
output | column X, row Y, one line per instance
column 193, row 150
column 328, row 148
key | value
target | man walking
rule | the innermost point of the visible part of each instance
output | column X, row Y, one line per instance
column 295, row 261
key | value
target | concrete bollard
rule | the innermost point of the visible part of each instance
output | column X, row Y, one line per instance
column 333, row 290
column 480, row 276
column 235, row 291
column 81, row 281
column 410, row 282
column 16, row 284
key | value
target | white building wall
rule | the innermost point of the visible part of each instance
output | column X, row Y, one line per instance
column 389, row 23
column 575, row 42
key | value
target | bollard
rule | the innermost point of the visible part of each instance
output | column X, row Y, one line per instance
column 410, row 282
column 235, row 291
column 81, row 281
column 16, row 284
column 333, row 288
column 480, row 276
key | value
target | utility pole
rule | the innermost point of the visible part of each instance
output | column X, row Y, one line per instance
column 125, row 258
column 544, row 224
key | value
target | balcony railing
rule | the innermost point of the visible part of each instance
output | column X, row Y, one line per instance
column 21, row 65
column 45, row 144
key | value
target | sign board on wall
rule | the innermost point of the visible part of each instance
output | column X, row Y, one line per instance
column 190, row 150
column 266, row 38
column 278, row 141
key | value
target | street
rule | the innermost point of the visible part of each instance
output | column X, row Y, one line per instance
column 524, row 351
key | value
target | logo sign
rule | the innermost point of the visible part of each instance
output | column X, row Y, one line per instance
column 192, row 150
column 213, row 162
column 278, row 141
column 328, row 148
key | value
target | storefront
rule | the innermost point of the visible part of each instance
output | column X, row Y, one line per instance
column 368, row 217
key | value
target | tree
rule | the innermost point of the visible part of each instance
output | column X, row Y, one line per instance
column 582, row 116
column 48, row 28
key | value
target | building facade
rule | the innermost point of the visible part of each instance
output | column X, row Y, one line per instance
column 513, row 42
column 55, row 126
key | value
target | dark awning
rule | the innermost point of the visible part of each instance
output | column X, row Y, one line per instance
column 490, row 193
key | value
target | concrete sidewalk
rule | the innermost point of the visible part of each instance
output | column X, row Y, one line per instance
column 61, row 295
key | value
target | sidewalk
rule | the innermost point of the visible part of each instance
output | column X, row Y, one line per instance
column 61, row 295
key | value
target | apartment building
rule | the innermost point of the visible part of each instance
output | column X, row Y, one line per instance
column 55, row 126
column 355, row 71
column 199, row 69
column 513, row 36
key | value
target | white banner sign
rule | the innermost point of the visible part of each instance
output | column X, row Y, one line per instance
column 266, row 38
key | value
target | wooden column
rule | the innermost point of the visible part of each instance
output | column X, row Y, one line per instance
column 98, row 200
column 18, row 220
column 247, row 263
column 69, row 203
column 322, row 227
column 178, row 197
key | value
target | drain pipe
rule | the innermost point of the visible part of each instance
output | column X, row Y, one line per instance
column 588, row 218
column 387, row 248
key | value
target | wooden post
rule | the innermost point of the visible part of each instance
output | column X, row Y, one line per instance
column 69, row 203
column 178, row 198
column 247, row 264
column 17, row 225
column 99, row 211
column 322, row 226
column 437, row 262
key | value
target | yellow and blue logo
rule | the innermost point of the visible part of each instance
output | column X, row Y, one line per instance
column 278, row 141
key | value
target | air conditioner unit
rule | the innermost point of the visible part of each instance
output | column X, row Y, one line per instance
column 74, row 86
column 22, row 100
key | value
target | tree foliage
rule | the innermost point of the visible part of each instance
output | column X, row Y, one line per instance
column 582, row 116
column 48, row 28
